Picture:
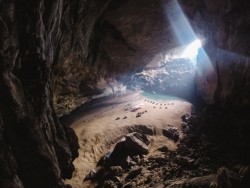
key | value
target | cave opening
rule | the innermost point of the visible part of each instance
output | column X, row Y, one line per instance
column 174, row 75
column 124, row 94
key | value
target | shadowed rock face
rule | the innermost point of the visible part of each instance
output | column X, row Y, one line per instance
column 224, row 26
column 51, row 48
column 121, row 38
column 127, row 36
column 36, row 150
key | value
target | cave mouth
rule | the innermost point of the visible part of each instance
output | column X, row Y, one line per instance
column 174, row 75
column 191, row 51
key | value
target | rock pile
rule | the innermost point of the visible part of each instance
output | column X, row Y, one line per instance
column 126, row 154
column 198, row 161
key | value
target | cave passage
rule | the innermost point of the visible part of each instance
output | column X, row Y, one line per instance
column 124, row 94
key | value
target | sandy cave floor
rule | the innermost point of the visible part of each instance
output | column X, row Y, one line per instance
column 101, row 127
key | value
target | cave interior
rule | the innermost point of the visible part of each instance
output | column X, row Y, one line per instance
column 129, row 93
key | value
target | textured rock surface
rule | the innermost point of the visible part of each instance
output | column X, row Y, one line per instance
column 225, row 27
column 125, row 38
column 130, row 34
column 62, row 48
column 202, row 159
column 75, row 75
column 130, row 145
column 36, row 151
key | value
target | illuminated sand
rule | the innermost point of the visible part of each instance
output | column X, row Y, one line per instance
column 99, row 128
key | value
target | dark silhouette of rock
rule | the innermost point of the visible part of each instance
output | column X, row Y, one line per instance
column 171, row 133
column 130, row 145
column 109, row 184
column 36, row 150
column 133, row 173
column 163, row 149
column 228, row 178
column 91, row 175
column 116, row 170
column 142, row 129
column 205, row 181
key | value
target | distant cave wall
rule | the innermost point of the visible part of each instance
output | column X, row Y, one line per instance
column 35, row 149
column 123, row 37
column 224, row 25
column 136, row 31
column 115, row 38
column 74, row 68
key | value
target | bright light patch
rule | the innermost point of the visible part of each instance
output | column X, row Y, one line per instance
column 192, row 50
column 185, row 34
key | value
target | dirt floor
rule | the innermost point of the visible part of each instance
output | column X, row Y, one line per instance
column 213, row 149
column 102, row 126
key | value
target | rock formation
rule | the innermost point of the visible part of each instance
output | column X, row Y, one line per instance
column 36, row 151
column 63, row 48
column 224, row 25
column 119, row 39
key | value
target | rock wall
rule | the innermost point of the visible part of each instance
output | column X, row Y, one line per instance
column 54, row 48
column 36, row 150
column 75, row 71
column 127, row 36
column 119, row 38
column 224, row 26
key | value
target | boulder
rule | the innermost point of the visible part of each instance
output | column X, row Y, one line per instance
column 245, row 174
column 228, row 178
column 130, row 185
column 91, row 175
column 171, row 133
column 185, row 118
column 143, row 129
column 130, row 145
column 134, row 173
column 163, row 149
column 204, row 181
column 116, row 170
column 185, row 161
column 136, row 143
column 109, row 184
